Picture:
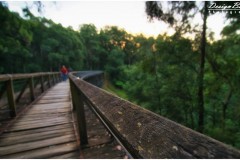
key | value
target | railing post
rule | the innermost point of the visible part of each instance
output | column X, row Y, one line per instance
column 53, row 77
column 49, row 81
column 78, row 106
column 11, row 98
column 31, row 87
column 73, row 95
column 42, row 83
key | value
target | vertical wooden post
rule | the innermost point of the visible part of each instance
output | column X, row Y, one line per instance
column 78, row 106
column 82, row 120
column 42, row 83
column 31, row 87
column 53, row 77
column 11, row 98
column 49, row 81
column 73, row 95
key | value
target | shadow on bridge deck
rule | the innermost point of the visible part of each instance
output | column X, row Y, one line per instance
column 48, row 130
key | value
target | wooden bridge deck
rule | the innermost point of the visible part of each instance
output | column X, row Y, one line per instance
column 47, row 130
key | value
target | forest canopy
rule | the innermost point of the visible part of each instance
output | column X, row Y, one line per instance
column 160, row 74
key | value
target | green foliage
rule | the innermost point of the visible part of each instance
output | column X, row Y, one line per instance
column 159, row 74
column 37, row 44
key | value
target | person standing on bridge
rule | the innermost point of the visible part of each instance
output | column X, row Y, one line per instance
column 64, row 73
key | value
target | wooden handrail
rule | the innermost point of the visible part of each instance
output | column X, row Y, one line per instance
column 143, row 133
column 5, row 77
column 13, row 98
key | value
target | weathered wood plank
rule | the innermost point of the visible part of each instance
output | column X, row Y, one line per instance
column 35, row 117
column 71, row 155
column 51, row 105
column 66, row 109
column 32, row 137
column 36, row 144
column 57, row 99
column 52, row 101
column 37, row 130
column 43, row 153
column 25, row 127
column 46, row 115
column 34, row 122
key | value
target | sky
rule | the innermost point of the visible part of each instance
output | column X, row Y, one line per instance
column 129, row 15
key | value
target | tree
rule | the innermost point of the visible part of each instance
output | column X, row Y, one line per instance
column 89, row 37
column 185, row 10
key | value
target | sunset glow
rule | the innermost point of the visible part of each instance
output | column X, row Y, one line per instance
column 129, row 15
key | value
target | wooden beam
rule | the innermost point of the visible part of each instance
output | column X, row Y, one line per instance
column 78, row 106
column 31, row 87
column 49, row 81
column 11, row 98
column 42, row 83
column 147, row 135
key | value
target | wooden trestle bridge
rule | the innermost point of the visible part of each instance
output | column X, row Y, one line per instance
column 43, row 117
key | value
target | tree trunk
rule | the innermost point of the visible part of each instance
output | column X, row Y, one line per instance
column 224, row 107
column 157, row 84
column 201, row 73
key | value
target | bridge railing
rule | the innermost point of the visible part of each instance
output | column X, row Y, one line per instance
column 142, row 133
column 19, row 90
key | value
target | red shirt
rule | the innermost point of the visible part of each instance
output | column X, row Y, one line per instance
column 64, row 70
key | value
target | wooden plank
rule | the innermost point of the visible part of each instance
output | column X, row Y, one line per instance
column 48, row 121
column 48, row 114
column 71, row 155
column 58, row 106
column 44, row 153
column 35, row 137
column 32, row 117
column 33, row 122
column 50, row 110
column 37, row 118
column 56, row 93
column 52, row 101
column 42, row 116
column 25, row 127
column 51, row 104
column 38, row 130
column 55, row 98
column 59, row 89
column 36, row 144
column 47, row 97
